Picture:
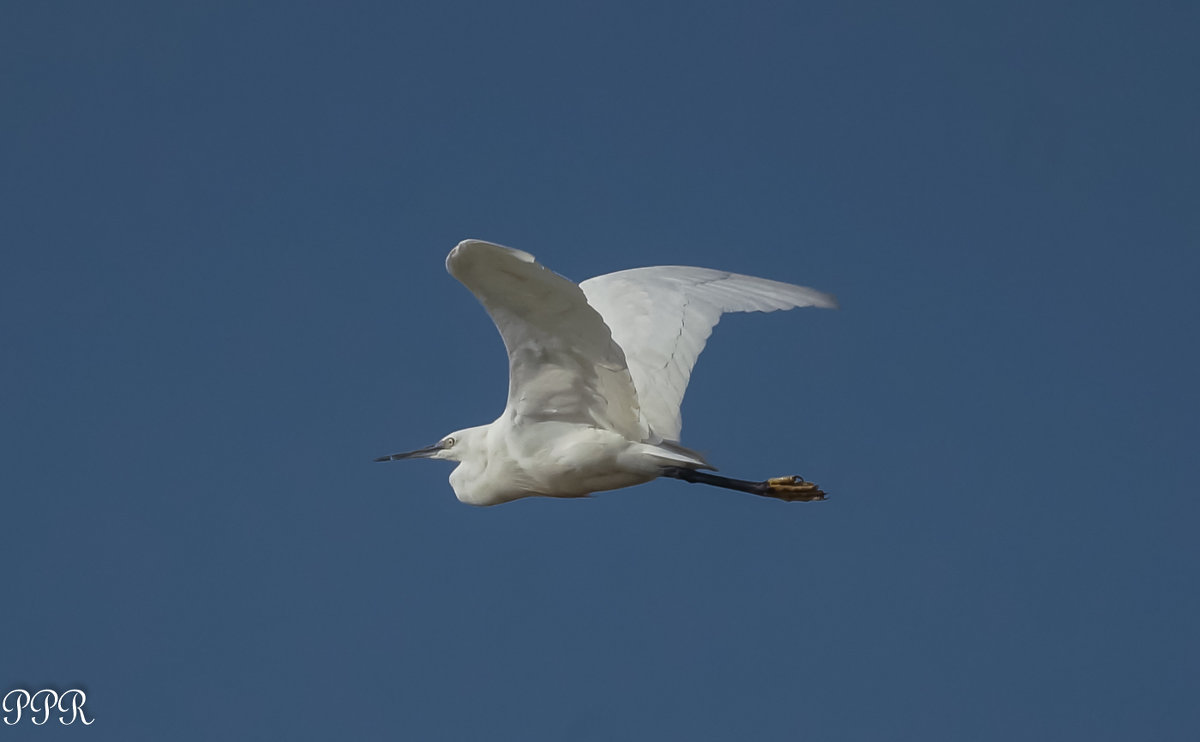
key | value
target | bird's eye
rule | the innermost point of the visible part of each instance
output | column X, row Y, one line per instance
column 448, row 442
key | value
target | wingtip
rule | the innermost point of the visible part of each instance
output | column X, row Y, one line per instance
column 466, row 247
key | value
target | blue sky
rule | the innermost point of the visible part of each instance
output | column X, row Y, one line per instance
column 223, row 295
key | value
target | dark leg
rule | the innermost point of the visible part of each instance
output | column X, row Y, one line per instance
column 791, row 489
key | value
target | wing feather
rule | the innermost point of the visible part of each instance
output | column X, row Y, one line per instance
column 662, row 318
column 563, row 363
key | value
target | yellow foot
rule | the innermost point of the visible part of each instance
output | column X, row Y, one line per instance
column 793, row 489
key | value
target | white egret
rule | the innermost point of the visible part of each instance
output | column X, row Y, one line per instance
column 597, row 373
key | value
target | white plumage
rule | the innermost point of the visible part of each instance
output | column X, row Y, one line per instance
column 662, row 317
column 597, row 374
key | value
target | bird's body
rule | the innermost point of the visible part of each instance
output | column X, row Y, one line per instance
column 597, row 373
column 550, row 458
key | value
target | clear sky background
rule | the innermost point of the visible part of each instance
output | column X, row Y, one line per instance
column 222, row 294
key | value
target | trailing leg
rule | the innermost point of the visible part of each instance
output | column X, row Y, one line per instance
column 790, row 489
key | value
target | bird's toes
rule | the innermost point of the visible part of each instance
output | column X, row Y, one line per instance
column 794, row 489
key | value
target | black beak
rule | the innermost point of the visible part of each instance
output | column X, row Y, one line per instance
column 420, row 453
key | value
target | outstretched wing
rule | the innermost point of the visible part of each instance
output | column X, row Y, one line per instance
column 662, row 317
column 562, row 362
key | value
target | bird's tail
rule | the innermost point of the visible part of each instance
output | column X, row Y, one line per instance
column 673, row 454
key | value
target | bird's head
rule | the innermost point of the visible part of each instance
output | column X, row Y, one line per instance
column 453, row 447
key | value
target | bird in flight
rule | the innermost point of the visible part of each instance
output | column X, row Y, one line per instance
column 597, row 373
